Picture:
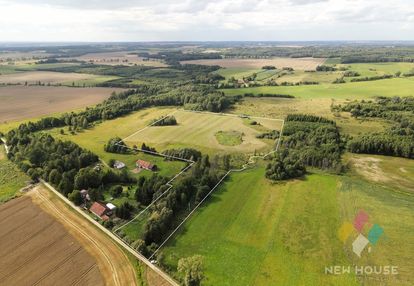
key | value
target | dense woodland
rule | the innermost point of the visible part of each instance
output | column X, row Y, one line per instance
column 307, row 141
column 397, row 140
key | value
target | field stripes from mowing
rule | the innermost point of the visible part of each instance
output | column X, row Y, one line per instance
column 250, row 162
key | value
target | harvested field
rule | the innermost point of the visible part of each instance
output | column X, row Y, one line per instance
column 22, row 102
column 295, row 63
column 112, row 262
column 46, row 77
column 36, row 249
column 118, row 58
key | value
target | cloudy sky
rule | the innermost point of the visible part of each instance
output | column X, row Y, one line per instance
column 186, row 20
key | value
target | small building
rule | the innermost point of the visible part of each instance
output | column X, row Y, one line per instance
column 98, row 209
column 141, row 164
column 85, row 195
column 119, row 165
column 110, row 208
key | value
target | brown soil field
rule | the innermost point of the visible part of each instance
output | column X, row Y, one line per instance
column 44, row 77
column 38, row 250
column 23, row 102
column 111, row 261
column 295, row 63
column 118, row 58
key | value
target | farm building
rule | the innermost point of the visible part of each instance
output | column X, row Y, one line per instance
column 85, row 195
column 119, row 165
column 99, row 210
column 110, row 208
column 146, row 165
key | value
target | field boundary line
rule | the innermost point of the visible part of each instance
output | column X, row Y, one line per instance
column 251, row 161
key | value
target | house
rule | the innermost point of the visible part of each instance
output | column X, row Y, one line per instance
column 99, row 210
column 119, row 165
column 141, row 164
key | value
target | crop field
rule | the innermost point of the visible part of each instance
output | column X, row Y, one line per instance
column 198, row 130
column 22, row 102
column 295, row 63
column 37, row 249
column 119, row 58
column 46, row 77
column 286, row 233
column 354, row 90
column 11, row 178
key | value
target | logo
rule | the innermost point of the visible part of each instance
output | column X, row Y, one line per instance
column 367, row 233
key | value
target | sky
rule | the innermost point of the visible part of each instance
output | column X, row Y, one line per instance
column 205, row 20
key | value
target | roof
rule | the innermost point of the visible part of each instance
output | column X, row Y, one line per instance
column 145, row 164
column 110, row 206
column 119, row 164
column 98, row 209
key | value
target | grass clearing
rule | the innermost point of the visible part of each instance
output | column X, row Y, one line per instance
column 11, row 178
column 229, row 138
column 390, row 171
column 197, row 130
column 280, row 107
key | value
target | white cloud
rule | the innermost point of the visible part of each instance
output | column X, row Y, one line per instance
column 141, row 20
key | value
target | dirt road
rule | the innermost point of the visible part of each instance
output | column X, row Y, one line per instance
column 111, row 260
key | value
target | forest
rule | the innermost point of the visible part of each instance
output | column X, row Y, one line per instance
column 398, row 139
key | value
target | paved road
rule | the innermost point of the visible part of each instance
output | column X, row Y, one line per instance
column 115, row 238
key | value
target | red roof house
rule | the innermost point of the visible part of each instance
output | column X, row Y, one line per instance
column 98, row 209
column 145, row 165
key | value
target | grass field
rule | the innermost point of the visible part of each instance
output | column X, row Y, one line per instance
column 43, row 100
column 11, row 178
column 198, row 130
column 355, row 90
column 373, row 69
column 386, row 170
column 296, row 63
column 95, row 138
column 229, row 138
column 254, row 233
column 280, row 107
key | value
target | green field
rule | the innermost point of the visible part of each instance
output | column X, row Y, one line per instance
column 11, row 178
column 255, row 233
column 229, row 138
column 95, row 138
column 237, row 73
column 198, row 130
column 373, row 69
column 354, row 90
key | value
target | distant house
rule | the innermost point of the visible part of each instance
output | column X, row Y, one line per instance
column 146, row 165
column 99, row 210
column 119, row 165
